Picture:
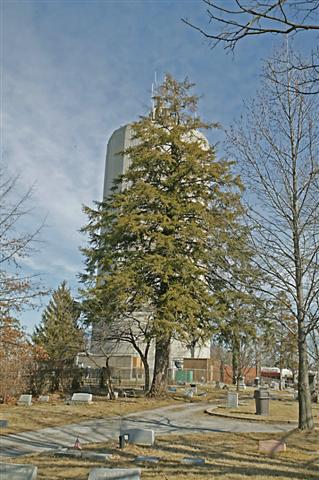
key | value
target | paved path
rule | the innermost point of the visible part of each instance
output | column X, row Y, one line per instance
column 186, row 418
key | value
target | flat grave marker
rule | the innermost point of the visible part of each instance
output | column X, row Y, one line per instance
column 12, row 471
column 96, row 456
column 272, row 446
column 146, row 459
column 193, row 461
column 87, row 455
column 115, row 474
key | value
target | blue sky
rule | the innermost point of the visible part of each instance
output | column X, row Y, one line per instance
column 75, row 70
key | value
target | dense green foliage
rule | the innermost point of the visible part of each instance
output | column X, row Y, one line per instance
column 59, row 333
column 171, row 216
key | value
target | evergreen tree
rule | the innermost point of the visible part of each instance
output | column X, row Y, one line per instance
column 59, row 333
column 153, row 238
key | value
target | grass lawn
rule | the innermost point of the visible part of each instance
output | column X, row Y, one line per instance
column 42, row 415
column 283, row 410
column 227, row 456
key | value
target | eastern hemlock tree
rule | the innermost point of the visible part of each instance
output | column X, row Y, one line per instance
column 59, row 332
column 152, row 238
column 277, row 148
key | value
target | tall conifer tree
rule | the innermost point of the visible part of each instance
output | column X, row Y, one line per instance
column 153, row 238
column 59, row 333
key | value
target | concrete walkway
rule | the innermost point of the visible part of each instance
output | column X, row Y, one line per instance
column 186, row 418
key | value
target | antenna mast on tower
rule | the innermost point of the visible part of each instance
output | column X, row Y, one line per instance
column 154, row 86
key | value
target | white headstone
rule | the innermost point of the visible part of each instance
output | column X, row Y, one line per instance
column 11, row 471
column 44, row 398
column 115, row 474
column 232, row 399
column 81, row 398
column 25, row 400
column 139, row 436
column 189, row 394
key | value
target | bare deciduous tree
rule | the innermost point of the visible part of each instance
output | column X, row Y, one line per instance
column 135, row 330
column 232, row 21
column 276, row 146
column 16, row 289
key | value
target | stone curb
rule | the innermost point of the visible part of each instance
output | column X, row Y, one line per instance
column 251, row 419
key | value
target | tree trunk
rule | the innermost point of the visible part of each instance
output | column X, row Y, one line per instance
column 222, row 370
column 280, row 369
column 108, row 379
column 305, row 411
column 159, row 383
column 235, row 359
column 146, row 373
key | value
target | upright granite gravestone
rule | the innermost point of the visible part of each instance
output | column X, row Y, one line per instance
column 114, row 474
column 11, row 471
column 232, row 400
column 139, row 436
column 81, row 398
column 25, row 400
column 44, row 398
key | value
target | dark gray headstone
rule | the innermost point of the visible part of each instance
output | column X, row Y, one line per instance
column 146, row 459
column 193, row 461
column 139, row 436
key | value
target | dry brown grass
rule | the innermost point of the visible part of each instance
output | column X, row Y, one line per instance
column 282, row 410
column 42, row 415
column 54, row 413
column 227, row 456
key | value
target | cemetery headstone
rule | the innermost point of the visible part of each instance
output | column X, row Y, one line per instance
column 193, row 461
column 139, row 436
column 193, row 388
column 274, row 385
column 232, row 399
column 97, row 456
column 146, row 459
column 189, row 394
column 81, row 398
column 272, row 446
column 115, row 474
column 171, row 389
column 44, row 398
column 11, row 471
column 66, row 452
column 25, row 400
